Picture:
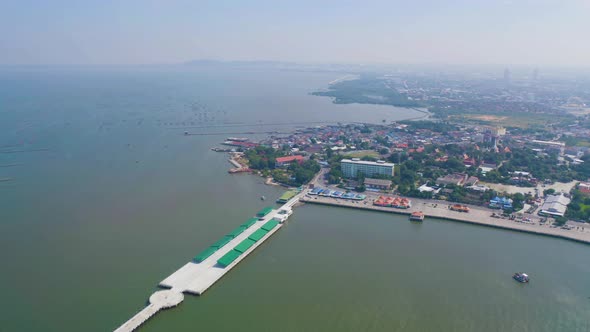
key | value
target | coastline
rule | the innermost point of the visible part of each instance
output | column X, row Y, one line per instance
column 476, row 216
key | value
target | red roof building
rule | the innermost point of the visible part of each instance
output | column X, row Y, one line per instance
column 289, row 159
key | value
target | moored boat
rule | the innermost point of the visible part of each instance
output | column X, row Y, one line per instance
column 521, row 277
column 417, row 216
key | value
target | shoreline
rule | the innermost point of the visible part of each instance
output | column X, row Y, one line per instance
column 443, row 213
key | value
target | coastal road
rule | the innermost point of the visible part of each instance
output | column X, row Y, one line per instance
column 440, row 209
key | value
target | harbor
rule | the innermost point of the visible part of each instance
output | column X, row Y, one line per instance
column 211, row 264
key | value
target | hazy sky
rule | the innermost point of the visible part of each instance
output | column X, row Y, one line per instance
column 532, row 32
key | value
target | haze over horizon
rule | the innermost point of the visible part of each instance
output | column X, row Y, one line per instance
column 520, row 32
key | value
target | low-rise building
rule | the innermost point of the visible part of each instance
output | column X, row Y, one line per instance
column 500, row 203
column 283, row 161
column 379, row 184
column 555, row 205
column 457, row 179
column 584, row 188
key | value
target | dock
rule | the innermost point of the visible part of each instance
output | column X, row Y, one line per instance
column 209, row 266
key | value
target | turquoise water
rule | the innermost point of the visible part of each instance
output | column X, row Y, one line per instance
column 118, row 199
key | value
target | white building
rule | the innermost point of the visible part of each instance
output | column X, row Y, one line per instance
column 555, row 205
column 352, row 167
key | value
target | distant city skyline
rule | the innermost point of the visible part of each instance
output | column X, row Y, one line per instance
column 516, row 32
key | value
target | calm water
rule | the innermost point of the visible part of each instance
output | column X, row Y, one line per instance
column 108, row 197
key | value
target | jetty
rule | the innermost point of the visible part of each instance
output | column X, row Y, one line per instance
column 211, row 264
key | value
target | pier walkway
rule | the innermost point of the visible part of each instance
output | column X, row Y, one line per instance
column 196, row 278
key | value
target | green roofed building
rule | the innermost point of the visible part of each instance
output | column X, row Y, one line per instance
column 244, row 245
column 203, row 255
column 235, row 232
column 287, row 196
column 249, row 223
column 259, row 234
column 262, row 213
column 228, row 258
column 270, row 225
column 223, row 241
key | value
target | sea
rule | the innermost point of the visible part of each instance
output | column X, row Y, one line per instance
column 103, row 196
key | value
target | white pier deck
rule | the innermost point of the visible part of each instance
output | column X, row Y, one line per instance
column 196, row 278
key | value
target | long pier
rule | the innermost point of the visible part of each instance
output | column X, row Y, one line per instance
column 196, row 278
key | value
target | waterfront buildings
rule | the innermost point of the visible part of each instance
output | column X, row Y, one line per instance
column 351, row 168
column 555, row 205
column 500, row 203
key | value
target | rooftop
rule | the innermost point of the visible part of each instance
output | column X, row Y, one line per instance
column 364, row 162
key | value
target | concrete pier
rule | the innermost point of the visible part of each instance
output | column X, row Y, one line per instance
column 196, row 278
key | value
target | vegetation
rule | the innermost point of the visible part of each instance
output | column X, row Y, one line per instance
column 263, row 159
column 579, row 208
column 366, row 90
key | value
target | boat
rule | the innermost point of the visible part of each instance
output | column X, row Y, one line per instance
column 521, row 277
column 417, row 216
column 262, row 198
column 238, row 139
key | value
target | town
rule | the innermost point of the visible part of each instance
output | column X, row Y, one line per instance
column 518, row 174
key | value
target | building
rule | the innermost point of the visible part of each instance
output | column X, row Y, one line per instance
column 584, row 188
column 555, row 205
column 504, row 203
column 282, row 161
column 379, row 184
column 457, row 179
column 351, row 168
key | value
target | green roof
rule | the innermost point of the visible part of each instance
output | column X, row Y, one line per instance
column 244, row 245
column 203, row 255
column 287, row 196
column 264, row 211
column 228, row 258
column 270, row 225
column 236, row 232
column 250, row 222
column 223, row 241
column 258, row 234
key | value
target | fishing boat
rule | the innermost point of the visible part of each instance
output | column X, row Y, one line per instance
column 521, row 277
column 262, row 198
column 417, row 216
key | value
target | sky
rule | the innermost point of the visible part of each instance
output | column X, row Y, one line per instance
column 528, row 32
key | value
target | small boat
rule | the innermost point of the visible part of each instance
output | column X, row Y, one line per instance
column 417, row 216
column 262, row 198
column 521, row 277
